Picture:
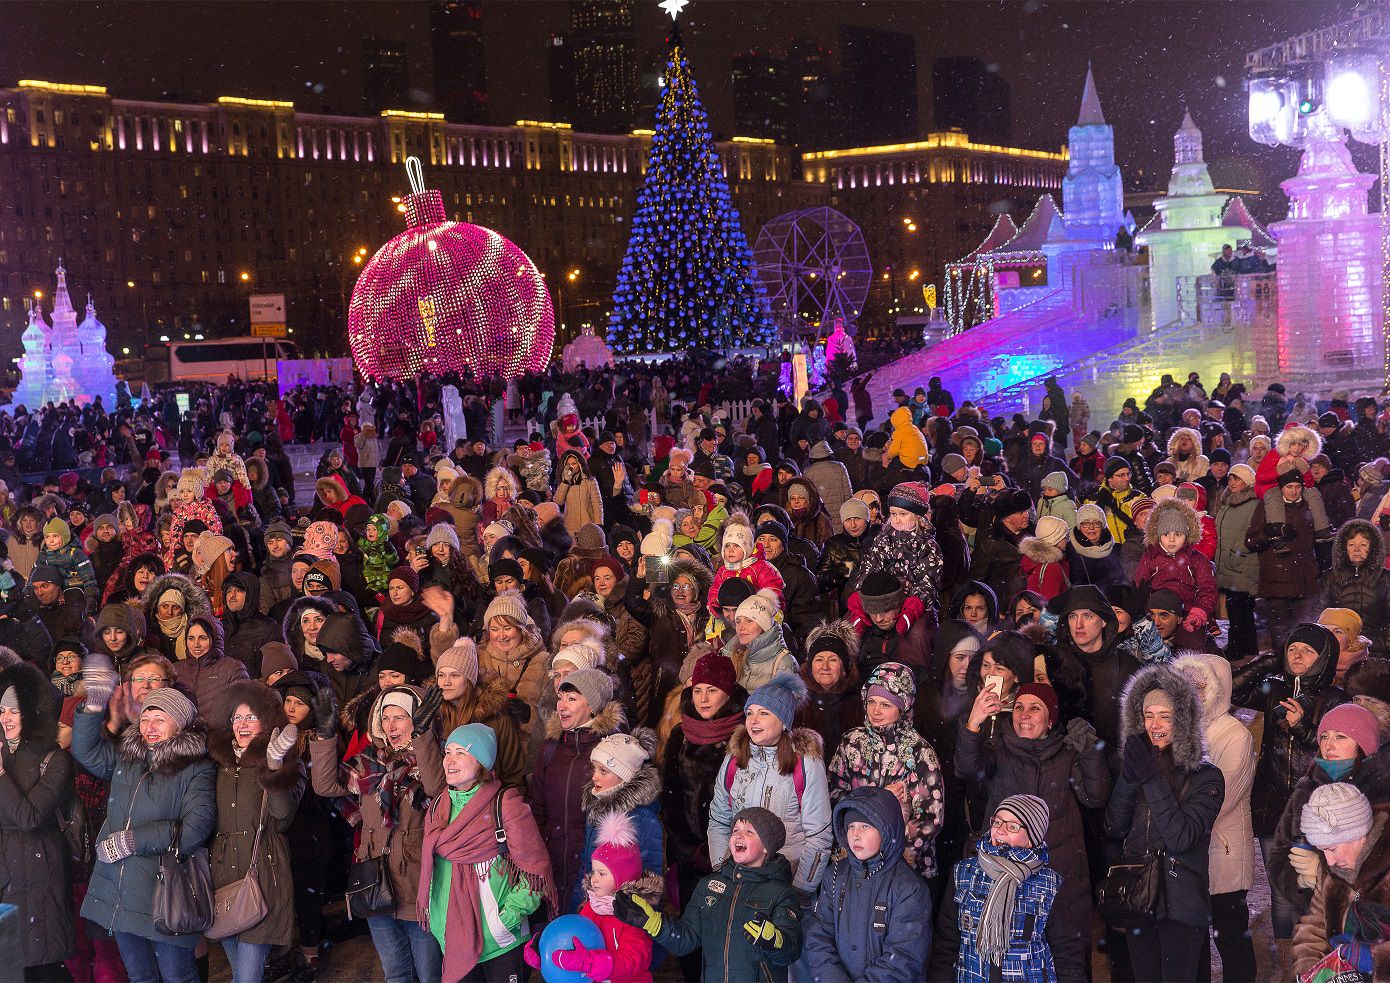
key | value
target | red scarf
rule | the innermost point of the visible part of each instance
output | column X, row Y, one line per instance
column 471, row 839
column 700, row 731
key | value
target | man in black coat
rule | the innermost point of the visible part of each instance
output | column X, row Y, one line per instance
column 802, row 609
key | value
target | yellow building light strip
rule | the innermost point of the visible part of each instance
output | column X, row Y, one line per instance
column 254, row 103
column 410, row 114
column 544, row 125
column 63, row 87
column 761, row 140
column 644, row 133
column 938, row 141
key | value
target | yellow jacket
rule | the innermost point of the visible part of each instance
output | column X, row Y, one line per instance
column 906, row 442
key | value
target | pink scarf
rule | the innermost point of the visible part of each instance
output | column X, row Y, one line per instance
column 471, row 839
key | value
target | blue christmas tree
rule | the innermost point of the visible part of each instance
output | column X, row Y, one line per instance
column 688, row 278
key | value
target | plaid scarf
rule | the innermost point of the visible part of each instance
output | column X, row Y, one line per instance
column 391, row 781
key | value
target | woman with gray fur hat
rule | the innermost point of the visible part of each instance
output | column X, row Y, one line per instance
column 1166, row 800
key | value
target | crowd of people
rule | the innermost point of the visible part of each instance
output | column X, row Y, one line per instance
column 815, row 694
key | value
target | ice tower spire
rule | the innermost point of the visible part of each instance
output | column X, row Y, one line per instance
column 1090, row 114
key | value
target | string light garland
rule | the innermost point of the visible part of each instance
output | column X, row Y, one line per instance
column 687, row 278
column 448, row 297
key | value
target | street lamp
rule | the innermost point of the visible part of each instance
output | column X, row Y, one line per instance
column 245, row 277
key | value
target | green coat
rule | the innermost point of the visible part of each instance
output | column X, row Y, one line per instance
column 714, row 919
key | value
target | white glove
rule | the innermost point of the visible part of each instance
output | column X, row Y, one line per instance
column 280, row 743
column 1308, row 864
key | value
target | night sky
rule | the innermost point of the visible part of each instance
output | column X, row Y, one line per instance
column 1149, row 57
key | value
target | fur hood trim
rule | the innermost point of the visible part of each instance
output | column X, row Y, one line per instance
column 195, row 599
column 1215, row 672
column 355, row 713
column 271, row 779
column 609, row 720
column 1283, row 444
column 466, row 492
column 650, row 887
column 1038, row 551
column 805, row 742
column 38, row 710
column 840, row 628
column 1191, row 523
column 1189, row 735
column 490, row 696
column 1190, row 433
column 257, row 473
column 644, row 788
column 1354, row 527
column 495, row 477
column 187, row 747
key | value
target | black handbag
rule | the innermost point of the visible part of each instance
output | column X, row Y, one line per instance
column 1133, row 892
column 182, row 890
column 369, row 887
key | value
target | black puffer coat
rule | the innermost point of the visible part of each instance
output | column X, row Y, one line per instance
column 1364, row 587
column 35, row 783
column 802, row 608
column 1286, row 754
column 1176, row 810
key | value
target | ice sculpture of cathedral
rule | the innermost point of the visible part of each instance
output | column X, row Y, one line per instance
column 63, row 360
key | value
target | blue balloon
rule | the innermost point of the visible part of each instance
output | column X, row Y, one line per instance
column 558, row 936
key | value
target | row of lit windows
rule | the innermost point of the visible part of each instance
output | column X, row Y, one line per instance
column 943, row 171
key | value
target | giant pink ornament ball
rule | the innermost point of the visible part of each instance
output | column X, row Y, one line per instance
column 448, row 296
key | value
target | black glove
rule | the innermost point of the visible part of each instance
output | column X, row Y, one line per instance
column 1140, row 760
column 325, row 714
column 424, row 714
column 518, row 710
column 1288, row 533
column 632, row 910
column 1274, row 530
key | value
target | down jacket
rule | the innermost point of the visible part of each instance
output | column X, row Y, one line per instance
column 872, row 919
column 1364, row 587
column 243, row 783
column 1232, row 749
column 1174, row 814
column 807, row 816
column 176, row 785
column 1237, row 568
column 831, row 481
column 1331, row 912
column 639, row 798
column 881, row 756
column 35, row 781
column 1187, row 572
column 1285, row 754
column 556, row 796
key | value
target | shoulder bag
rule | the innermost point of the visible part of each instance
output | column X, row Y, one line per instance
column 240, row 905
column 369, row 886
column 183, row 886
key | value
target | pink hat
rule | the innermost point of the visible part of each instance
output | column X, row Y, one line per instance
column 617, row 848
column 1356, row 722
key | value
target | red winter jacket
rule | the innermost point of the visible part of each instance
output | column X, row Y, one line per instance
column 1186, row 573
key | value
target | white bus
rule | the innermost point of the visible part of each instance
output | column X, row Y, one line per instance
column 215, row 360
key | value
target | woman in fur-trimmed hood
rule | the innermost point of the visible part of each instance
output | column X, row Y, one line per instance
column 167, row 633
column 258, row 765
column 1167, row 798
column 625, row 782
column 35, row 779
column 1185, row 454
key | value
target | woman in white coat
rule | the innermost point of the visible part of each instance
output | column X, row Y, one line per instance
column 1232, row 858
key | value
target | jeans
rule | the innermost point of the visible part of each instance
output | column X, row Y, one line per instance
column 1166, row 951
column 247, row 959
column 408, row 952
column 147, row 961
column 1230, row 923
column 1282, row 915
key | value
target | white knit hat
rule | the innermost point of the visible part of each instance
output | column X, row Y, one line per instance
column 581, row 655
column 740, row 535
column 1052, row 529
column 620, row 754
column 1334, row 814
column 761, row 608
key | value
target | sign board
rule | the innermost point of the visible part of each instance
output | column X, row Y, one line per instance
column 267, row 308
column 929, row 295
column 268, row 330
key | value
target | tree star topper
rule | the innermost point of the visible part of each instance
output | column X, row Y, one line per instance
column 673, row 7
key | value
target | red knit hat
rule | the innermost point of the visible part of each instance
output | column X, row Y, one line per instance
column 713, row 669
column 1356, row 722
column 610, row 563
column 408, row 576
column 617, row 848
column 1043, row 692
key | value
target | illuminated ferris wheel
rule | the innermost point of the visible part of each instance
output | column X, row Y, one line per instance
column 814, row 265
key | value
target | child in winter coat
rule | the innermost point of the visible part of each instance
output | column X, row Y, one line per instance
column 906, row 546
column 1043, row 561
column 873, row 914
column 994, row 917
column 626, row 783
column 626, row 955
column 744, row 561
column 64, row 555
column 745, row 917
column 1171, row 562
column 889, row 753
column 378, row 555
column 1053, row 499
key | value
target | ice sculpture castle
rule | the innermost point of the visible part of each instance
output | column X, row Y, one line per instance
column 64, row 360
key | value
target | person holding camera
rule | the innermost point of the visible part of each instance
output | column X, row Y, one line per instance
column 1293, row 689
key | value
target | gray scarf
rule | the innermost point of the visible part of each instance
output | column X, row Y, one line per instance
column 1006, row 871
